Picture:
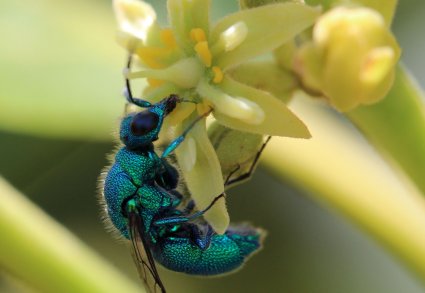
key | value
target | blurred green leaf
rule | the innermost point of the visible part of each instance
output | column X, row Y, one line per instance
column 343, row 172
column 44, row 254
column 60, row 68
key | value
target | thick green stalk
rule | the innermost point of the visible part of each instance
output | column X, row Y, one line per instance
column 396, row 126
column 47, row 256
column 343, row 172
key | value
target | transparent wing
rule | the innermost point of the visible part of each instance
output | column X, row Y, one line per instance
column 142, row 255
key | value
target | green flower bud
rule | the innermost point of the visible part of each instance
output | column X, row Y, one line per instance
column 351, row 58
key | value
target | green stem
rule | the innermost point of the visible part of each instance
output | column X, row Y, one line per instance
column 343, row 172
column 396, row 126
column 35, row 248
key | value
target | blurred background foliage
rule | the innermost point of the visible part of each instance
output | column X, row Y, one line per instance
column 60, row 99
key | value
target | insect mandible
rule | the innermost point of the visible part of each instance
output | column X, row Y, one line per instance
column 141, row 202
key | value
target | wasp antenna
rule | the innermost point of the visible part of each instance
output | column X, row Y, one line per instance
column 128, row 94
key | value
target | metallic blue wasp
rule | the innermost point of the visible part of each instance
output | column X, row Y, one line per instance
column 143, row 205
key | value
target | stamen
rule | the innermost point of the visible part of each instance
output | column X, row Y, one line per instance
column 184, row 73
column 140, row 74
column 153, row 82
column 182, row 111
column 204, row 107
column 234, row 107
column 167, row 38
column 218, row 74
column 153, row 56
column 204, row 53
column 198, row 35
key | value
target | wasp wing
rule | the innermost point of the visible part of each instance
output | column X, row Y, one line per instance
column 142, row 255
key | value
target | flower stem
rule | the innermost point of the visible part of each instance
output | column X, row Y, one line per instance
column 343, row 172
column 396, row 126
column 35, row 248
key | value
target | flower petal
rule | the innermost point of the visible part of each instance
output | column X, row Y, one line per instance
column 267, row 28
column 204, row 180
column 236, row 107
column 279, row 120
column 185, row 15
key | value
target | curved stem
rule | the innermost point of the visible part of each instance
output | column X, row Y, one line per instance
column 342, row 171
column 396, row 126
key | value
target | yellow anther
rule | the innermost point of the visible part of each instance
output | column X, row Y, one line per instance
column 204, row 53
column 153, row 82
column 204, row 107
column 198, row 35
column 218, row 74
column 167, row 38
column 152, row 56
column 183, row 110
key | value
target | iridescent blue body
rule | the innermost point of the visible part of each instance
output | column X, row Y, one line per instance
column 141, row 202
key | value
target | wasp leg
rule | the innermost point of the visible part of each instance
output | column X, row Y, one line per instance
column 226, row 182
column 176, row 197
column 251, row 169
column 189, row 207
column 177, row 141
column 184, row 219
column 201, row 235
column 168, row 178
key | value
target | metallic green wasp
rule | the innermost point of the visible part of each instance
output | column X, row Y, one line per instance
column 143, row 205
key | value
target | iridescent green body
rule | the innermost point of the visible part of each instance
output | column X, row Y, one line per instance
column 141, row 201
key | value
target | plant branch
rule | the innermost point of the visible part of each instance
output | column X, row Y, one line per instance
column 37, row 249
column 343, row 172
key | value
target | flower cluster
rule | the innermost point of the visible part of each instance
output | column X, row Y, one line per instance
column 348, row 58
column 193, row 59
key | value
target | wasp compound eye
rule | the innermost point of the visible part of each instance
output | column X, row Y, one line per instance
column 143, row 123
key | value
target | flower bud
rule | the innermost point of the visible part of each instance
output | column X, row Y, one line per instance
column 351, row 58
